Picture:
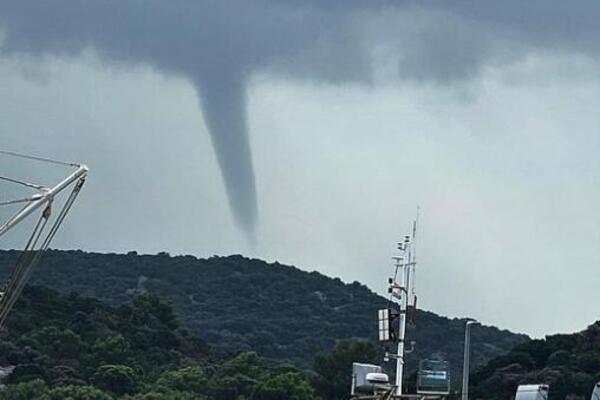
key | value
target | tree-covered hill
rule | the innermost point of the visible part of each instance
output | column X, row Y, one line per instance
column 66, row 347
column 570, row 364
column 235, row 304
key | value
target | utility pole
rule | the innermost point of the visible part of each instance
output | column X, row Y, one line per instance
column 465, row 377
column 400, row 263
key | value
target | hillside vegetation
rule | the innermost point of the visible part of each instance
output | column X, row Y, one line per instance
column 66, row 347
column 570, row 364
column 239, row 304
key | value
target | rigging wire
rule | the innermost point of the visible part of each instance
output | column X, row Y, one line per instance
column 43, row 159
column 24, row 183
column 63, row 213
column 10, row 291
column 17, row 201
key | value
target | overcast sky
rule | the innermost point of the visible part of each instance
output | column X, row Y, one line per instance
column 308, row 132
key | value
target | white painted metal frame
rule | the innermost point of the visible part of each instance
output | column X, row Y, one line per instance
column 31, row 254
column 42, row 199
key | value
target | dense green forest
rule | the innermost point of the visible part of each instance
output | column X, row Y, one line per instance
column 69, row 347
column 239, row 304
column 64, row 346
column 570, row 364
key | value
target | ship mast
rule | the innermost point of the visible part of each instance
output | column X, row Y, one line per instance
column 402, row 293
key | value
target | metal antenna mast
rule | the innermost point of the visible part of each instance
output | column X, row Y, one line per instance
column 39, row 241
column 402, row 292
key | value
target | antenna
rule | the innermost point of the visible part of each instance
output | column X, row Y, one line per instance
column 402, row 292
column 38, row 242
column 414, row 264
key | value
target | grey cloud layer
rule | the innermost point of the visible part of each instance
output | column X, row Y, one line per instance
column 218, row 45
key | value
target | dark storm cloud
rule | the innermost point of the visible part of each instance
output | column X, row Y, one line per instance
column 218, row 45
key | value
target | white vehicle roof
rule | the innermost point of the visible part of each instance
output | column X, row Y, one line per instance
column 596, row 392
column 532, row 392
column 532, row 387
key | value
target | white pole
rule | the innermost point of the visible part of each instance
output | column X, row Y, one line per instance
column 465, row 378
column 401, row 331
column 405, row 270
